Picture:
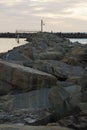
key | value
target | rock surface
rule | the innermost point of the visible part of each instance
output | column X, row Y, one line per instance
column 58, row 68
column 24, row 78
column 59, row 100
column 14, row 127
column 46, row 61
column 33, row 100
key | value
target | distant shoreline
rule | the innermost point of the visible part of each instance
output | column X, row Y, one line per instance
column 60, row 34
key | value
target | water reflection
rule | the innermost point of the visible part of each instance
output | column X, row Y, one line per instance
column 9, row 43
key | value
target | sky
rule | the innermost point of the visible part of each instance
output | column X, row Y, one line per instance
column 58, row 15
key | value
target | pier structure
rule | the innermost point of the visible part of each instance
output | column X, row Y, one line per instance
column 29, row 31
column 42, row 24
column 24, row 31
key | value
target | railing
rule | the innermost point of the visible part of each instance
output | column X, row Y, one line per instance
column 27, row 31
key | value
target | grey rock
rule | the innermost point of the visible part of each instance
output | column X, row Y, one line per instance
column 33, row 100
column 82, row 106
column 5, row 87
column 6, row 103
column 84, row 96
column 75, row 94
column 74, row 91
column 51, row 55
column 24, row 78
column 15, row 127
column 58, row 68
column 77, row 56
column 39, row 119
column 59, row 100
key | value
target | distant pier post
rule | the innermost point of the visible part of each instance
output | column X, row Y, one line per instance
column 17, row 34
column 42, row 24
column 18, row 38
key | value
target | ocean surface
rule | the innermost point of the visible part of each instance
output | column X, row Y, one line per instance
column 9, row 43
column 80, row 40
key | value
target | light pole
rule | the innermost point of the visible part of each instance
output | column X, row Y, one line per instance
column 42, row 24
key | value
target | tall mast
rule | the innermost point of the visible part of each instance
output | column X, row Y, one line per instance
column 42, row 24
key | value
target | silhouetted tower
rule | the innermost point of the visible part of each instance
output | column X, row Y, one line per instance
column 42, row 24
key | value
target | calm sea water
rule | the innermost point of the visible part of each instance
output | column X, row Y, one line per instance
column 80, row 40
column 9, row 43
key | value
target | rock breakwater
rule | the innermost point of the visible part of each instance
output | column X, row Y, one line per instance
column 47, row 62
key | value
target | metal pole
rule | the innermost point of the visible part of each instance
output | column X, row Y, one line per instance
column 18, row 38
column 42, row 23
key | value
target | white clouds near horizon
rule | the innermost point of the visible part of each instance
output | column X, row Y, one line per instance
column 65, row 15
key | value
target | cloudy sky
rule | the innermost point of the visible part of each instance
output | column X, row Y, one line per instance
column 58, row 15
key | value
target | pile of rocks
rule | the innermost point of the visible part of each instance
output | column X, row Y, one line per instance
column 52, row 63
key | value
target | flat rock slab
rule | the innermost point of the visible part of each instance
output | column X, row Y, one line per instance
column 14, row 127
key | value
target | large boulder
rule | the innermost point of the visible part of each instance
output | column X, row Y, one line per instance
column 59, row 100
column 64, row 83
column 58, row 68
column 77, row 56
column 33, row 100
column 80, row 80
column 75, row 94
column 24, row 78
column 84, row 96
column 51, row 55
column 6, row 103
column 4, row 87
column 14, row 55
column 74, row 90
column 64, row 100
